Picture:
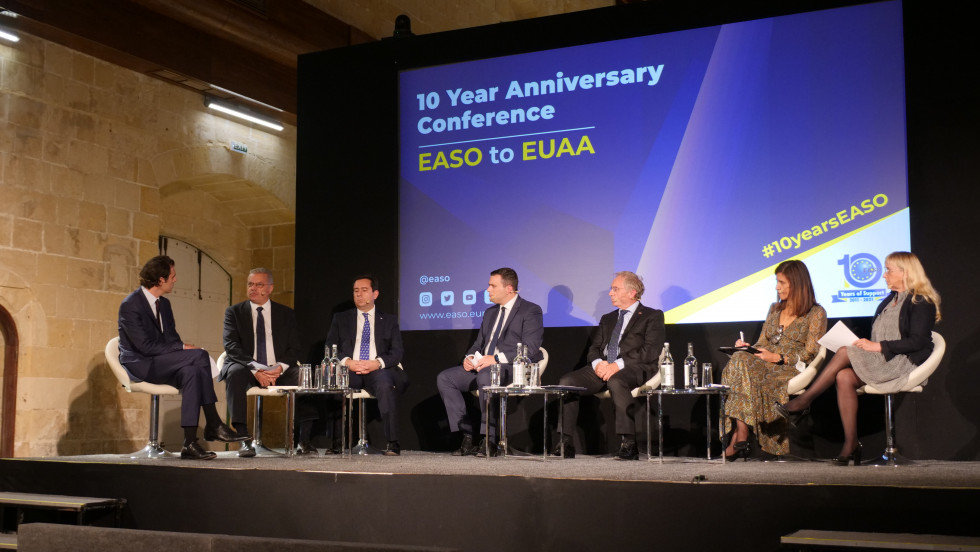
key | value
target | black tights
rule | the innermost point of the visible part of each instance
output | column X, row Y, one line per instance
column 838, row 371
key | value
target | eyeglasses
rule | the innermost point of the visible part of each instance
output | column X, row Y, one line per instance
column 893, row 270
column 259, row 285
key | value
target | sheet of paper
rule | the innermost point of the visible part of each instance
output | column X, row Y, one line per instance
column 838, row 336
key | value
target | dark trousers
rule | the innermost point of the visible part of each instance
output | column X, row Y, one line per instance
column 455, row 381
column 386, row 385
column 239, row 379
column 190, row 371
column 620, row 388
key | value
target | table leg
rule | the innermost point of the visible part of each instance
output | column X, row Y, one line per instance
column 290, row 415
column 486, row 427
column 649, row 450
column 544, row 435
column 721, row 422
column 346, row 412
column 660, row 425
column 502, row 437
column 707, row 417
column 561, row 422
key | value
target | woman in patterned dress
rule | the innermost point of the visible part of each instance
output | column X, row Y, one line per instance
column 901, row 339
column 758, row 382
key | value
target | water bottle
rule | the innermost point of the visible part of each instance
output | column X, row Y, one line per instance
column 666, row 369
column 690, row 368
column 334, row 368
column 518, row 366
column 323, row 369
column 528, row 376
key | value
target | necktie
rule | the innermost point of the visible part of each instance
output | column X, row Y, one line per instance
column 366, row 338
column 612, row 350
column 159, row 321
column 260, row 353
column 496, row 331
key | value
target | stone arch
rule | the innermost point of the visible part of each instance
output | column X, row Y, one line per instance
column 8, row 404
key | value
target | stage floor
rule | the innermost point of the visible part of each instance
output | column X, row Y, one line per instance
column 922, row 474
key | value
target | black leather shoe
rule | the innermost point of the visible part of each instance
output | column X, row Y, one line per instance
column 628, row 451
column 793, row 418
column 306, row 448
column 481, row 449
column 223, row 433
column 844, row 460
column 194, row 451
column 466, row 448
column 569, row 447
column 247, row 450
column 393, row 449
column 742, row 450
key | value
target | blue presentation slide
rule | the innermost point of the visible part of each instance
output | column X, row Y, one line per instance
column 699, row 159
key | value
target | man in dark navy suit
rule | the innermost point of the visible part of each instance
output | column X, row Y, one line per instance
column 151, row 350
column 369, row 343
column 262, row 348
column 511, row 320
column 623, row 356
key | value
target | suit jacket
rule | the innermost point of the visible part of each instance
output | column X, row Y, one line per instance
column 140, row 339
column 641, row 341
column 915, row 323
column 525, row 324
column 387, row 336
column 239, row 336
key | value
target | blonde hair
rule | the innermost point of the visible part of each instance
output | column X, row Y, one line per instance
column 915, row 279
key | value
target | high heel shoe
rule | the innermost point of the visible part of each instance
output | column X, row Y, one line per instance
column 794, row 418
column 844, row 460
column 742, row 450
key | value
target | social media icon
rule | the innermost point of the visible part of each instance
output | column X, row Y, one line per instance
column 425, row 299
column 469, row 297
column 447, row 298
column 486, row 297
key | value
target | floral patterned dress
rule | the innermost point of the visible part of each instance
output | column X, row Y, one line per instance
column 756, row 385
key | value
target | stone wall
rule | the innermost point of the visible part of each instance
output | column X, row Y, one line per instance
column 96, row 162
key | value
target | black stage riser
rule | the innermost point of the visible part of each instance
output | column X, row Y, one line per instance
column 491, row 512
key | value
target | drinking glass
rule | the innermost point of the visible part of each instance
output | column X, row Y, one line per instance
column 707, row 375
column 494, row 375
column 535, row 375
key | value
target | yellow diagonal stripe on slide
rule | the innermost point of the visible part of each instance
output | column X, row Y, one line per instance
column 681, row 312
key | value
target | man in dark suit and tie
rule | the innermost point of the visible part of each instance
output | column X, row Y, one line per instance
column 369, row 343
column 510, row 321
column 623, row 356
column 151, row 350
column 262, row 348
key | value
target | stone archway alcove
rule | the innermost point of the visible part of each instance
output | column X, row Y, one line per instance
column 8, row 402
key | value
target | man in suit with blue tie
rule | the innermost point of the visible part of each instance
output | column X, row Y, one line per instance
column 369, row 343
column 511, row 320
column 623, row 356
column 151, row 350
column 262, row 348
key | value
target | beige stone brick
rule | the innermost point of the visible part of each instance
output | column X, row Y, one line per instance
column 67, row 212
column 42, row 425
column 57, row 59
column 68, row 303
column 122, row 165
column 86, row 275
column 22, row 79
column 91, row 216
column 25, row 142
column 65, row 182
column 52, row 269
column 283, row 234
column 150, row 199
column 284, row 257
column 27, row 234
column 98, row 188
column 24, row 172
column 119, row 221
column 54, row 149
column 87, row 157
column 53, row 88
column 146, row 227
column 25, row 111
column 47, row 296
column 6, row 230
column 263, row 257
column 21, row 263
column 55, row 239
column 83, row 68
column 78, row 95
column 128, row 195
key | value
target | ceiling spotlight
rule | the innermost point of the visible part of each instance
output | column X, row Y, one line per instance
column 242, row 113
column 6, row 35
